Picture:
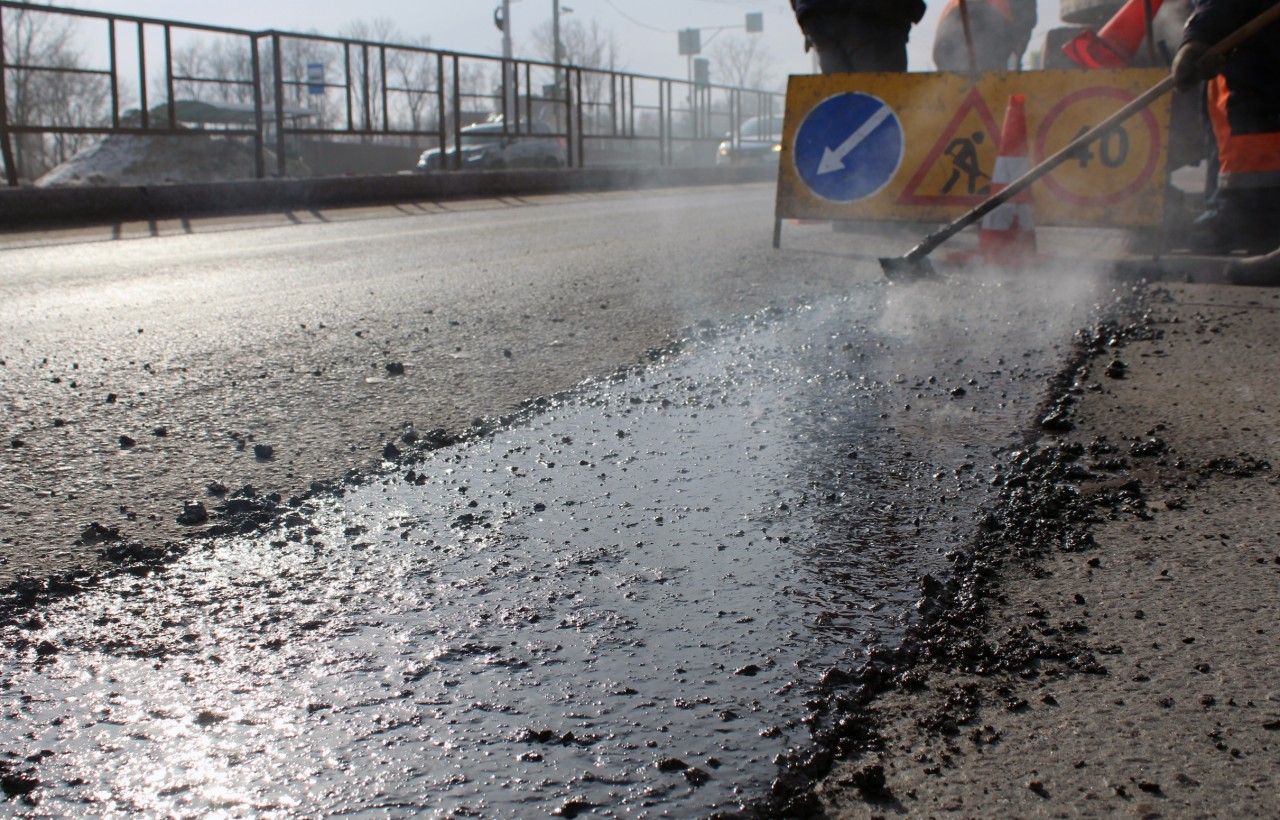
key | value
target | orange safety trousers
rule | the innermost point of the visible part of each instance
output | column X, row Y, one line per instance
column 1244, row 160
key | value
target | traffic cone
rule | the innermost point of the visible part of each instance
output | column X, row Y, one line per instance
column 1117, row 42
column 1008, row 235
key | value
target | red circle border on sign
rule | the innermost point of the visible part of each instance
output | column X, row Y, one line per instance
column 1145, row 176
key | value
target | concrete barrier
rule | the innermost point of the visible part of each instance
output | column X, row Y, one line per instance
column 26, row 208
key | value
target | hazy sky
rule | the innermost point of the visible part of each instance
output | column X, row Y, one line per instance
column 645, row 29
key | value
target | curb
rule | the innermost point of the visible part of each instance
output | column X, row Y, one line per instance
column 35, row 207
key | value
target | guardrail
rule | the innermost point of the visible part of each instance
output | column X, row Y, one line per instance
column 68, row 77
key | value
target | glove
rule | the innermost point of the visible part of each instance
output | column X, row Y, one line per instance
column 1189, row 67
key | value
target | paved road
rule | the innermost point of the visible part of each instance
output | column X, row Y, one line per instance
column 587, row 606
column 656, row 550
column 199, row 340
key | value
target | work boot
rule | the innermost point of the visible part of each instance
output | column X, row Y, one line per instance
column 1238, row 220
column 1259, row 271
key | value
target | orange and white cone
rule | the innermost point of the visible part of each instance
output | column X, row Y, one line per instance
column 1008, row 236
column 1117, row 43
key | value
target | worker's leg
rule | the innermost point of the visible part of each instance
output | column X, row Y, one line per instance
column 852, row 42
column 1245, row 210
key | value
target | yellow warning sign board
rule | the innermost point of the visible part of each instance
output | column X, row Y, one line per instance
column 923, row 147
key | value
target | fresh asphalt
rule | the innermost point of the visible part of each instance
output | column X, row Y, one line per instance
column 694, row 474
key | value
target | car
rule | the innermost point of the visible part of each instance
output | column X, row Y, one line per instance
column 492, row 146
column 758, row 142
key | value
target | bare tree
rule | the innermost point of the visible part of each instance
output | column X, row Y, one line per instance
column 588, row 46
column 744, row 62
column 584, row 47
column 220, row 70
column 364, row 62
column 53, row 88
column 363, row 74
column 411, row 82
column 478, row 81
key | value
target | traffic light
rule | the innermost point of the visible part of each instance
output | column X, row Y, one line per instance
column 701, row 72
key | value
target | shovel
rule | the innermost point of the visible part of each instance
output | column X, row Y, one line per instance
column 915, row 264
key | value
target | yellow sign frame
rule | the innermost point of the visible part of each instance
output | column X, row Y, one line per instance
column 949, row 137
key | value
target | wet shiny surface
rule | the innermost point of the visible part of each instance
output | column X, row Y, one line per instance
column 619, row 606
column 224, row 334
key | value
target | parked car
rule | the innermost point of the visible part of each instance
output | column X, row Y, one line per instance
column 492, row 147
column 758, row 142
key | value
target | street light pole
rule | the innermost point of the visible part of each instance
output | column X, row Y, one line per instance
column 506, row 29
column 558, row 56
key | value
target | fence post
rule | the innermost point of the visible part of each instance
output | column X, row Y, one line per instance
column 570, row 101
column 582, row 143
column 346, row 84
column 613, row 103
column 6, row 147
column 528, row 96
column 168, row 77
column 457, row 116
column 666, row 124
column 735, row 121
column 277, row 57
column 143, row 103
column 115, row 74
column 386, row 91
column 259, row 118
column 367, row 92
column 663, row 95
column 442, row 122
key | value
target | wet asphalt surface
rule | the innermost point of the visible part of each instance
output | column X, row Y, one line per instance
column 617, row 600
column 141, row 364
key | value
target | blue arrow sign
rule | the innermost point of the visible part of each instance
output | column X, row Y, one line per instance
column 849, row 147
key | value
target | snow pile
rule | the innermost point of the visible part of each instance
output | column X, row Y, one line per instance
column 128, row 159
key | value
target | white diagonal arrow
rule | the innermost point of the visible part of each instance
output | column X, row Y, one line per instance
column 834, row 160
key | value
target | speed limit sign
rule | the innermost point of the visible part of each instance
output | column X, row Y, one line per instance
column 1110, row 170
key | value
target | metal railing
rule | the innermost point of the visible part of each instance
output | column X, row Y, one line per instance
column 69, row 77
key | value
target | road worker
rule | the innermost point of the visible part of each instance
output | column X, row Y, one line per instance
column 858, row 35
column 1000, row 30
column 1243, row 103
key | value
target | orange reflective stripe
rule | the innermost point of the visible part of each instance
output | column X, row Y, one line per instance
column 1001, row 6
column 1240, row 154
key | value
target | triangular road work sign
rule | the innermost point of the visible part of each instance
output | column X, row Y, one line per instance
column 957, row 170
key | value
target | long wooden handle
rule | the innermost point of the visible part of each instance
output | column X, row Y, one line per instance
column 1227, row 44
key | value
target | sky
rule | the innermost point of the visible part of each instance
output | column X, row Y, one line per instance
column 646, row 30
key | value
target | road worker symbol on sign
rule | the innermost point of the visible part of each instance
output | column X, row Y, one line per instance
column 957, row 169
column 965, row 164
column 849, row 147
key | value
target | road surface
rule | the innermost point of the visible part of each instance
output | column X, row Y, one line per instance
column 701, row 470
column 198, row 341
